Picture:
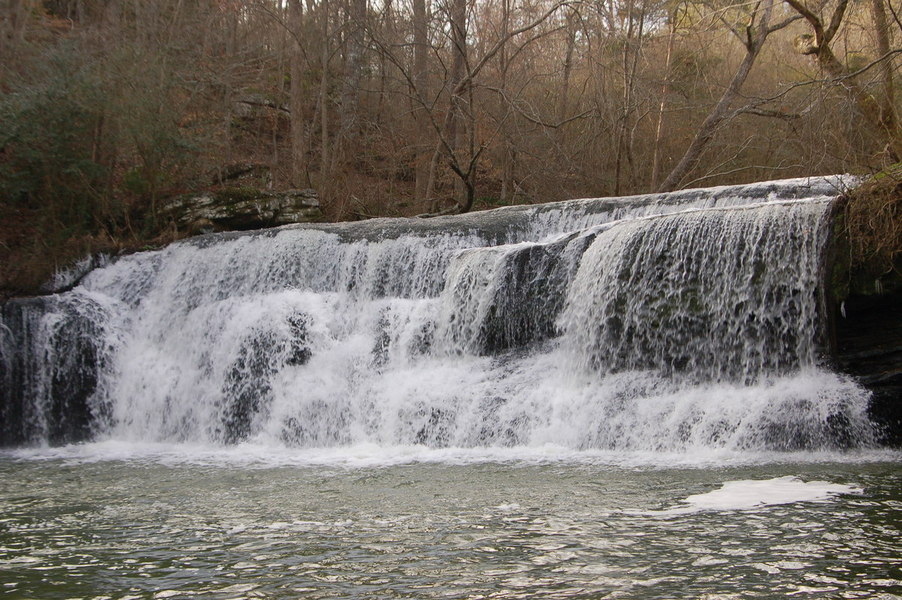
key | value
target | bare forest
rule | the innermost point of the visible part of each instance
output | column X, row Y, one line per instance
column 108, row 108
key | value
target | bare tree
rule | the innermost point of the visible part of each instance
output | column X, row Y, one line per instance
column 420, row 92
column 348, row 116
column 884, row 46
column 325, row 59
column 508, row 150
column 297, row 98
column 817, row 45
column 463, row 161
column 673, row 23
column 752, row 35
column 632, row 48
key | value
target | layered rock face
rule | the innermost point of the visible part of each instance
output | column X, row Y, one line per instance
column 243, row 209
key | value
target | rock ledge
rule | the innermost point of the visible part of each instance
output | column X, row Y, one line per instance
column 242, row 209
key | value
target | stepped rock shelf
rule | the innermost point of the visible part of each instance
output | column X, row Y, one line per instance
column 695, row 319
column 243, row 209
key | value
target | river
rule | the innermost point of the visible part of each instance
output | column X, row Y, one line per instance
column 113, row 520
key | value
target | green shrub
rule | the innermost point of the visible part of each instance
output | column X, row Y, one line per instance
column 51, row 136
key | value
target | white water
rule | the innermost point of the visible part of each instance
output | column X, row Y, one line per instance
column 687, row 323
column 748, row 494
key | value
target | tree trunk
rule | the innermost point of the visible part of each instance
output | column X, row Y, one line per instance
column 630, row 51
column 421, row 97
column 388, row 33
column 296, row 96
column 451, row 137
column 456, row 129
column 508, row 152
column 710, row 126
column 350, row 91
column 665, row 90
column 568, row 66
column 889, row 119
column 325, row 155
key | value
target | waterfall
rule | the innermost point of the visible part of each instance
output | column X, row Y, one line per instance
column 662, row 322
column 716, row 294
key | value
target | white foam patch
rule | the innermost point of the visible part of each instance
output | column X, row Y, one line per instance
column 367, row 456
column 756, row 493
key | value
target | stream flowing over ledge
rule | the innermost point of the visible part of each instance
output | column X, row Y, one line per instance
column 695, row 319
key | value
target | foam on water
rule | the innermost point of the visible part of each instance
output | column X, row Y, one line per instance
column 248, row 455
column 754, row 494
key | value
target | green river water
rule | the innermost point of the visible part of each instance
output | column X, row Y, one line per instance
column 91, row 522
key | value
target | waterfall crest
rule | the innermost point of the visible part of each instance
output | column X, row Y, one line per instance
column 662, row 322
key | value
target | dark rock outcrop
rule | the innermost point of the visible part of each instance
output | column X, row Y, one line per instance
column 51, row 354
column 868, row 333
column 865, row 283
column 242, row 209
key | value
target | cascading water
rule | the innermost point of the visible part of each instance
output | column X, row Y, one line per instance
column 668, row 322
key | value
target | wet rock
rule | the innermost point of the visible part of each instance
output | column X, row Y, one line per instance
column 868, row 345
column 51, row 352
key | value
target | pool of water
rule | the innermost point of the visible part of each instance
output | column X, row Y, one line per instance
column 107, row 521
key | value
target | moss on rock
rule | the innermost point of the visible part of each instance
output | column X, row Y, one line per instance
column 870, row 240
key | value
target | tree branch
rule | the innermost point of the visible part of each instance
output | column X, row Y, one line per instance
column 763, row 112
column 835, row 21
column 534, row 119
column 809, row 16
